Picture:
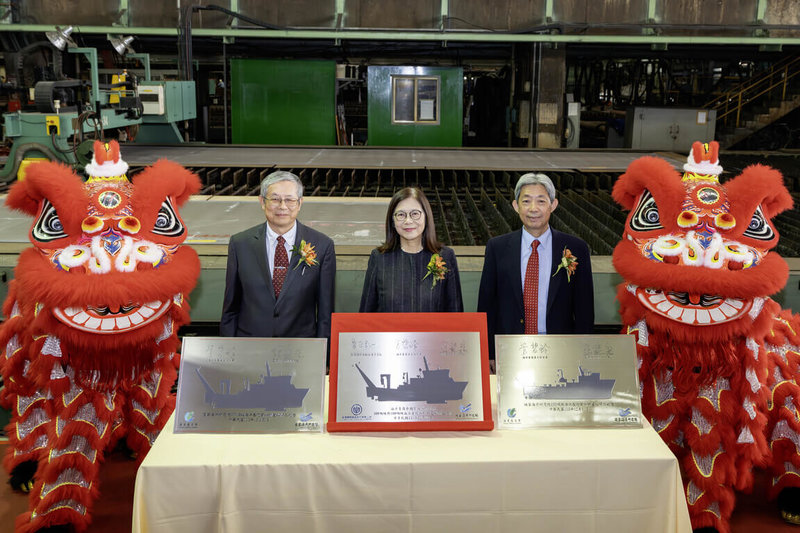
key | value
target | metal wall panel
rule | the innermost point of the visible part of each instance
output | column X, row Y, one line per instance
column 498, row 15
column 502, row 15
column 283, row 101
column 606, row 12
column 157, row 15
column 69, row 12
column 730, row 12
column 424, row 14
column 303, row 13
column 783, row 12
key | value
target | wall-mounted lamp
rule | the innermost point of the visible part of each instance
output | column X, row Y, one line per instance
column 121, row 44
column 61, row 38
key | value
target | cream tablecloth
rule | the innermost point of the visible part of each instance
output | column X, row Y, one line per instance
column 549, row 480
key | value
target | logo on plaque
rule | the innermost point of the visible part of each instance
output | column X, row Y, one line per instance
column 433, row 386
column 271, row 393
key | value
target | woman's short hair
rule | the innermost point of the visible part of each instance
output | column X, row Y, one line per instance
column 429, row 240
column 278, row 176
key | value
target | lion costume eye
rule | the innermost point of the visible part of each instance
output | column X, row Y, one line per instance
column 48, row 226
column 759, row 227
column 167, row 222
column 646, row 217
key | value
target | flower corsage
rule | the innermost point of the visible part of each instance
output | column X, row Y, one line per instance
column 306, row 254
column 436, row 268
column 569, row 263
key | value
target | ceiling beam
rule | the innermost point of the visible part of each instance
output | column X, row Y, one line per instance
column 419, row 35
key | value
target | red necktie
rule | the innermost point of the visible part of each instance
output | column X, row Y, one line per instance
column 531, row 291
column 281, row 266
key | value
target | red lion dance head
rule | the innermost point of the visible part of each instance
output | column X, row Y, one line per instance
column 695, row 254
column 718, row 359
column 92, row 319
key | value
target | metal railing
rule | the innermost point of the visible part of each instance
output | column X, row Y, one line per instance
column 775, row 79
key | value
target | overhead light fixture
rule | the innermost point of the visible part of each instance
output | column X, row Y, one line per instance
column 121, row 44
column 60, row 38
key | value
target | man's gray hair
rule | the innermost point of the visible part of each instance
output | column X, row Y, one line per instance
column 535, row 178
column 278, row 176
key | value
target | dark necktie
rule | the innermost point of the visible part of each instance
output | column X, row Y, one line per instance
column 531, row 291
column 281, row 266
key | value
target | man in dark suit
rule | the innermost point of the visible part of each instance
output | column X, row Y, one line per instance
column 536, row 280
column 273, row 287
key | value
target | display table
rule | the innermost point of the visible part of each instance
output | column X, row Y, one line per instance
column 581, row 480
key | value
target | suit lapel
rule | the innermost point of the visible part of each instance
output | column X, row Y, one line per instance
column 555, row 282
column 259, row 244
column 513, row 252
column 293, row 273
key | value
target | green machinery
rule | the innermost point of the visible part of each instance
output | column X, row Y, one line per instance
column 148, row 110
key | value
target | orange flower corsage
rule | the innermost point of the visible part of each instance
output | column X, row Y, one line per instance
column 306, row 254
column 569, row 263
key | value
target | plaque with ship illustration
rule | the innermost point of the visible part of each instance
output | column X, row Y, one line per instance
column 405, row 377
column 250, row 385
column 409, row 380
column 567, row 380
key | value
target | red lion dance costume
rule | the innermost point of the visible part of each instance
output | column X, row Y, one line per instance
column 718, row 359
column 91, row 331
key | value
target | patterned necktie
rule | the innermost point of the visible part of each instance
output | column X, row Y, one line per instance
column 531, row 292
column 281, row 266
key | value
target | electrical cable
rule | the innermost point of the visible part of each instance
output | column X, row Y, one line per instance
column 185, row 32
column 53, row 141
column 10, row 172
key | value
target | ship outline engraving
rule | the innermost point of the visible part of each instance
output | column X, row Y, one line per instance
column 271, row 393
column 588, row 386
column 433, row 386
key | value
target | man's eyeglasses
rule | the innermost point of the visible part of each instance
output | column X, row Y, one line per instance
column 400, row 216
column 276, row 201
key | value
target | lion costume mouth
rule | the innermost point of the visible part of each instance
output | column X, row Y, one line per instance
column 104, row 320
column 693, row 308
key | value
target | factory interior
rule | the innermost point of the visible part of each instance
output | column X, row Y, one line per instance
column 361, row 98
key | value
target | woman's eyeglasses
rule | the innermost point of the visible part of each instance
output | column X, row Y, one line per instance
column 400, row 216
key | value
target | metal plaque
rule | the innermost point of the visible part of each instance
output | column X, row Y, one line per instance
column 250, row 385
column 567, row 380
column 421, row 376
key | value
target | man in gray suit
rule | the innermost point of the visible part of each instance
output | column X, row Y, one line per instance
column 275, row 286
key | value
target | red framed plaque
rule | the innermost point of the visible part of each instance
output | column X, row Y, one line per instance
column 409, row 372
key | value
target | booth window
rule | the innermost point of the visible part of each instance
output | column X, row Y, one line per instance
column 415, row 100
